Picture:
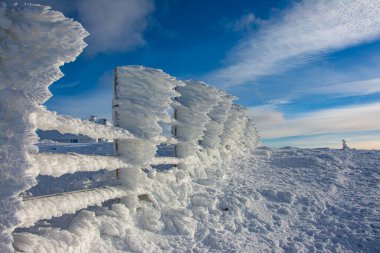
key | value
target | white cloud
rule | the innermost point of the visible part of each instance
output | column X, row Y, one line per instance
column 358, row 88
column 305, row 32
column 272, row 123
column 245, row 22
column 265, row 116
column 115, row 25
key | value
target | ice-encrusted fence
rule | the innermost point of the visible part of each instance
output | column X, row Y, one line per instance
column 36, row 41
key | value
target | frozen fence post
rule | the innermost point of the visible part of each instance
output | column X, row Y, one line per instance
column 218, row 116
column 142, row 98
column 234, row 128
column 35, row 42
column 196, row 100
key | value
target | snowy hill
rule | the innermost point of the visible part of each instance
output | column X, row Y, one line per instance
column 266, row 200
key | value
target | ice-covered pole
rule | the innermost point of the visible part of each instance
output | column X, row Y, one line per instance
column 234, row 127
column 35, row 42
column 142, row 98
column 218, row 116
column 196, row 101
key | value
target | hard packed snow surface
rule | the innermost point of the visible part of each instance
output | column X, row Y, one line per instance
column 261, row 200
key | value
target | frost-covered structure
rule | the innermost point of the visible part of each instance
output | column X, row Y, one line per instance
column 49, row 120
column 207, row 129
column 142, row 98
column 196, row 101
column 56, row 165
column 218, row 116
column 35, row 42
column 234, row 127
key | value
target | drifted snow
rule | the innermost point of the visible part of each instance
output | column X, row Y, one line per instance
column 265, row 200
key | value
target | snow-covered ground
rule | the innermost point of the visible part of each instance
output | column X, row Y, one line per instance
column 265, row 200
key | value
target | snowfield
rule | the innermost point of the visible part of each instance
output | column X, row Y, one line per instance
column 265, row 200
column 223, row 195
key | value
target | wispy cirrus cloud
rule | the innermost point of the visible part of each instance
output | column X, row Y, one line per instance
column 273, row 124
column 302, row 33
column 358, row 88
column 245, row 22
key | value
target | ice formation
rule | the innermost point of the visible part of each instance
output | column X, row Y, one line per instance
column 142, row 99
column 56, row 165
column 36, row 209
column 48, row 120
column 196, row 100
column 35, row 42
column 234, row 127
column 218, row 116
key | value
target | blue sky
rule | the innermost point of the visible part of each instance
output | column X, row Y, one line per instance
column 308, row 71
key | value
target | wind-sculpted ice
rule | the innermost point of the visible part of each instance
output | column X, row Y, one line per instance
column 218, row 116
column 57, row 205
column 196, row 101
column 56, row 165
column 234, row 128
column 35, row 42
column 142, row 99
column 251, row 136
column 48, row 120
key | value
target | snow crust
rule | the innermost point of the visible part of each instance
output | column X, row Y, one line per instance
column 49, row 120
column 35, row 42
column 196, row 100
